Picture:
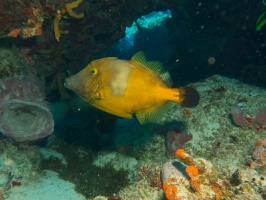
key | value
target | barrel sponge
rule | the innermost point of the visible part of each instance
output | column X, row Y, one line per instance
column 24, row 115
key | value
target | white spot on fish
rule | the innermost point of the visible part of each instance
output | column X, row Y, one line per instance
column 119, row 76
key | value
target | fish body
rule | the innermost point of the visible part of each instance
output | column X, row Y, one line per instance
column 127, row 87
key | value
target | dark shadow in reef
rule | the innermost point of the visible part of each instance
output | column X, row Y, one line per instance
column 88, row 128
column 89, row 179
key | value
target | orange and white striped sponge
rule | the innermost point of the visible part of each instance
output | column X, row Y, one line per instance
column 186, row 158
column 191, row 170
column 193, row 173
column 170, row 190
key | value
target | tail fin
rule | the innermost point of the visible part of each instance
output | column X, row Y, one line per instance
column 188, row 97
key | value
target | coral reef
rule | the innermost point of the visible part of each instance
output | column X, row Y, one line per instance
column 20, row 18
column 258, row 155
column 213, row 165
column 141, row 190
column 118, row 162
column 25, row 116
column 17, row 65
column 103, row 24
column 196, row 179
column 18, row 167
column 247, row 184
column 222, row 161
column 228, row 147
column 247, row 121
column 151, row 173
column 48, row 181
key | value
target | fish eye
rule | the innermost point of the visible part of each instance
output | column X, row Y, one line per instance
column 93, row 71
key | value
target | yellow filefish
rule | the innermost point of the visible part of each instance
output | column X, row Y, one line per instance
column 127, row 87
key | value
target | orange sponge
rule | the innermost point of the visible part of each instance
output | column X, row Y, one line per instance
column 193, row 173
column 180, row 153
column 170, row 190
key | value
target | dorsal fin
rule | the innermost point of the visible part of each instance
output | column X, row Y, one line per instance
column 155, row 66
column 139, row 57
column 154, row 115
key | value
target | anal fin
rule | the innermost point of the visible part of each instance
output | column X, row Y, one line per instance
column 154, row 115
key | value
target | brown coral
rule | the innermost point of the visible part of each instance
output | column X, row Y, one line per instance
column 57, row 84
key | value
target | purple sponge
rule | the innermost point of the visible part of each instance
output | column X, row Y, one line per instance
column 261, row 117
column 238, row 117
column 176, row 138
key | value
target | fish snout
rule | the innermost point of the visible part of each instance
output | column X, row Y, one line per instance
column 75, row 83
column 71, row 83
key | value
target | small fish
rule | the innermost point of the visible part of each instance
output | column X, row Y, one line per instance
column 127, row 87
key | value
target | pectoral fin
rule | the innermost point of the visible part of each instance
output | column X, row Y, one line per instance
column 96, row 94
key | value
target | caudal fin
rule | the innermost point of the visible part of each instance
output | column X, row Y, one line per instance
column 188, row 97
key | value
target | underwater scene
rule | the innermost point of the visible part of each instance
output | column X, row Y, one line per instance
column 132, row 100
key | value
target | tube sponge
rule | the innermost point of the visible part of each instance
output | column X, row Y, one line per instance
column 24, row 115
